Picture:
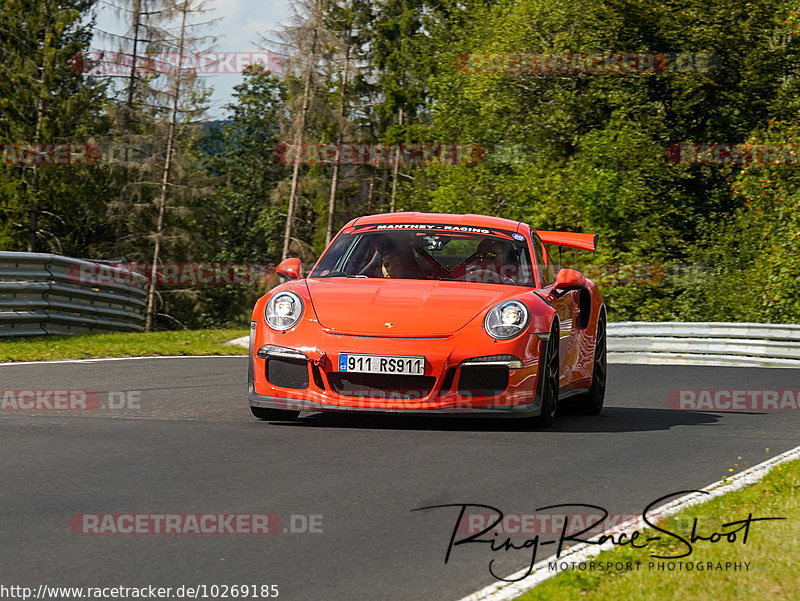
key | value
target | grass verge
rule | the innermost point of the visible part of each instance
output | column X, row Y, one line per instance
column 123, row 344
column 770, row 551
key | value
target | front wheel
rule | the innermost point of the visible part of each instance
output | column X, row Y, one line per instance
column 548, row 381
column 274, row 414
column 592, row 402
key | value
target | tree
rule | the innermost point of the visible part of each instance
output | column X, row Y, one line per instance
column 247, row 226
column 44, row 100
column 184, row 100
column 303, row 39
column 348, row 24
column 591, row 148
column 134, row 68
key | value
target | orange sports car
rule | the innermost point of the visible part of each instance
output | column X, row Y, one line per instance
column 429, row 314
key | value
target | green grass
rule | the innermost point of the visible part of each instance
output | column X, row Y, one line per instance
column 771, row 550
column 126, row 344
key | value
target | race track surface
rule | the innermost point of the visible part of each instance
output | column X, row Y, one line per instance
column 186, row 443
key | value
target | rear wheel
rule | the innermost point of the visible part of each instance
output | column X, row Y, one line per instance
column 548, row 380
column 274, row 414
column 592, row 402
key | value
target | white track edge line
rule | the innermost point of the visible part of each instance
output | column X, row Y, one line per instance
column 505, row 591
column 118, row 359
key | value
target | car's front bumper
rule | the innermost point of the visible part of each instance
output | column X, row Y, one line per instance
column 317, row 385
column 362, row 405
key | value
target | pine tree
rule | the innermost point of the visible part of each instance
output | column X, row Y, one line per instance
column 183, row 98
column 45, row 100
column 132, row 69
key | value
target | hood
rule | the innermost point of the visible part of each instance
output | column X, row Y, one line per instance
column 413, row 307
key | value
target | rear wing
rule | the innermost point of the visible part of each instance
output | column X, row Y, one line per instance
column 570, row 239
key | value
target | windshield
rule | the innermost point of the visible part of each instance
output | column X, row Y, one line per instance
column 435, row 252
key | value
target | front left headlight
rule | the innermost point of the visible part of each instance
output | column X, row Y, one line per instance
column 283, row 310
column 506, row 320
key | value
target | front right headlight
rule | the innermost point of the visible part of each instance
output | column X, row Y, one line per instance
column 283, row 310
column 506, row 320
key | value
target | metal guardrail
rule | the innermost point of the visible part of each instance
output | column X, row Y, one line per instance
column 712, row 343
column 43, row 294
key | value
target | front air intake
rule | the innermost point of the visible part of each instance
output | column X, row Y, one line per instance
column 482, row 381
column 287, row 372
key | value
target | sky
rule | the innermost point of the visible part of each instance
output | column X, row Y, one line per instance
column 242, row 24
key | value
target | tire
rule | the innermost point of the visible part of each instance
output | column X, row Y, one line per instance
column 274, row 414
column 549, row 381
column 592, row 401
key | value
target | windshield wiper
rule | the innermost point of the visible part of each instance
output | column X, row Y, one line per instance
column 339, row 274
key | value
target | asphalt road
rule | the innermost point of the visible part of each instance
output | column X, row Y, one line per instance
column 186, row 443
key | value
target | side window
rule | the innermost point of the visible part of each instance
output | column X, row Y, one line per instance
column 547, row 270
column 552, row 268
column 524, row 269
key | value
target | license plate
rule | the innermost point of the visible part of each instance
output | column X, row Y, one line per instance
column 382, row 364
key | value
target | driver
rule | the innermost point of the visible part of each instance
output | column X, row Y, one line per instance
column 491, row 252
column 492, row 259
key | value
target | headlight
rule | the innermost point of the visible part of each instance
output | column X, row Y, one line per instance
column 283, row 310
column 506, row 320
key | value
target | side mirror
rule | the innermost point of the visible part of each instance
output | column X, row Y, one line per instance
column 569, row 278
column 290, row 269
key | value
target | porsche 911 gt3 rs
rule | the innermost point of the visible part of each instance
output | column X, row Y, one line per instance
column 462, row 315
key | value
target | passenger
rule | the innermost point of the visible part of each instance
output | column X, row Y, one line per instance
column 392, row 265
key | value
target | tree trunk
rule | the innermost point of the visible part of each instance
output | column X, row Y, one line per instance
column 396, row 167
column 298, row 141
column 33, row 224
column 162, row 204
column 339, row 139
column 126, row 113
